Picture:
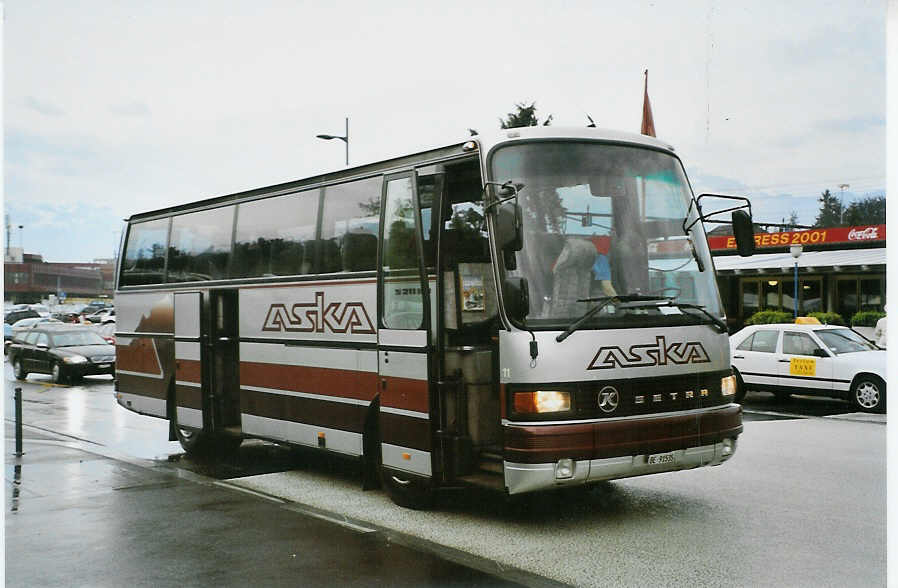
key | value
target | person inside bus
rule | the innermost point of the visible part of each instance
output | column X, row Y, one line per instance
column 601, row 269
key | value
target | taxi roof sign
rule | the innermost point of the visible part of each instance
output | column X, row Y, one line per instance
column 807, row 320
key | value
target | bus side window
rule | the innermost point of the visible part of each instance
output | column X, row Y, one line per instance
column 273, row 234
column 353, row 209
column 200, row 245
column 144, row 259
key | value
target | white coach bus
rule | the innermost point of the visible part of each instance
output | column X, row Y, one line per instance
column 525, row 312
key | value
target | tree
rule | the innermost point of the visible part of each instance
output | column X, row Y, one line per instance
column 525, row 116
column 793, row 218
column 830, row 214
column 867, row 211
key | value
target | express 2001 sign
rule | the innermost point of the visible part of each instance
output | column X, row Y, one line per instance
column 812, row 237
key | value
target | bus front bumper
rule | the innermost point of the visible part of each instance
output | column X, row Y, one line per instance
column 581, row 453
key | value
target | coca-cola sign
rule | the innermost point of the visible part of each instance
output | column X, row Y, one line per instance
column 863, row 234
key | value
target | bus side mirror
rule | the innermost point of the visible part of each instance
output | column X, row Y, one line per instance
column 516, row 295
column 744, row 233
column 509, row 227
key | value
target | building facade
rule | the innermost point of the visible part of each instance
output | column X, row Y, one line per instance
column 840, row 269
column 32, row 279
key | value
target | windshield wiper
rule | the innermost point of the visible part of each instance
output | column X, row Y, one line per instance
column 673, row 303
column 605, row 301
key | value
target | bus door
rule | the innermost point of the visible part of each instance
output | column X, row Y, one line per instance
column 188, row 393
column 403, row 339
column 224, row 358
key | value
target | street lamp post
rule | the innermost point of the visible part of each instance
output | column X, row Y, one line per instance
column 344, row 138
column 842, row 187
column 795, row 250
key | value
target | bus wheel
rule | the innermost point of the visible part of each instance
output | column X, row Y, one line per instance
column 191, row 440
column 868, row 393
column 407, row 491
column 740, row 387
column 199, row 443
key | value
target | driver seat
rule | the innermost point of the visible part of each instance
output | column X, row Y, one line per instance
column 572, row 277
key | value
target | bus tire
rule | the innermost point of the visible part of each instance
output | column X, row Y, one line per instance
column 740, row 387
column 202, row 444
column 407, row 491
column 868, row 393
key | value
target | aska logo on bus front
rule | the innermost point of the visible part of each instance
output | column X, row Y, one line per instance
column 648, row 355
column 318, row 317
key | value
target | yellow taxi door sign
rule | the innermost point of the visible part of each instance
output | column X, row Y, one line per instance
column 799, row 366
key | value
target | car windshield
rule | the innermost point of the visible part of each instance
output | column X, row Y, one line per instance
column 75, row 338
column 844, row 341
column 602, row 220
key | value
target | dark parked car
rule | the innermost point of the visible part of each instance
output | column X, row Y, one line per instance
column 63, row 351
column 17, row 315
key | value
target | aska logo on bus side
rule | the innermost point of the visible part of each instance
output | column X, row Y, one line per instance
column 650, row 354
column 318, row 317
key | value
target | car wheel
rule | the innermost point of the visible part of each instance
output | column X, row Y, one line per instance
column 740, row 387
column 17, row 368
column 868, row 393
column 57, row 375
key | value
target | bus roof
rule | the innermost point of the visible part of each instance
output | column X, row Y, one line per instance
column 494, row 138
column 484, row 143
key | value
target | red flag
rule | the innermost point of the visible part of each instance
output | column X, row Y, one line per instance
column 648, row 123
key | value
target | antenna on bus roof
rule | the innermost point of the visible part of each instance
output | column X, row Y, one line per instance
column 592, row 123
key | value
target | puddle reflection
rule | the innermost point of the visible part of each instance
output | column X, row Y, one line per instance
column 16, row 486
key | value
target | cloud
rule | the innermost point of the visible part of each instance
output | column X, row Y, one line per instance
column 135, row 109
column 42, row 107
column 856, row 124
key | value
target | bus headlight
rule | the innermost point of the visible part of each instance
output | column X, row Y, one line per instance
column 728, row 386
column 538, row 401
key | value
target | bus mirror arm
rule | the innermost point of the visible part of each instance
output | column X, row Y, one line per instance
column 741, row 221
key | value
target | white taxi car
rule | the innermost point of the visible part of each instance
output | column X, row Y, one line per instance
column 812, row 359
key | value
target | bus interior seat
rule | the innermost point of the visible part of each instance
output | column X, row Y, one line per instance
column 572, row 276
column 359, row 252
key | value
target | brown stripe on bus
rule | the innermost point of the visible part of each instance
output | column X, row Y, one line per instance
column 309, row 411
column 152, row 387
column 354, row 384
column 138, row 356
column 542, row 444
column 188, row 370
column 189, row 396
column 404, row 431
column 404, row 393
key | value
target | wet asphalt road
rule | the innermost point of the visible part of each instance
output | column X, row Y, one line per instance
column 801, row 504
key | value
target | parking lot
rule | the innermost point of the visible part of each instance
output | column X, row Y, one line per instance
column 802, row 503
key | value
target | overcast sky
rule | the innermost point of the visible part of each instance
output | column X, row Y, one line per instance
column 112, row 108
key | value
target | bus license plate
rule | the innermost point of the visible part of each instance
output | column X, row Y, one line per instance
column 660, row 458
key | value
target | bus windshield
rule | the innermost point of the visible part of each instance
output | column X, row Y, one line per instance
column 604, row 220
